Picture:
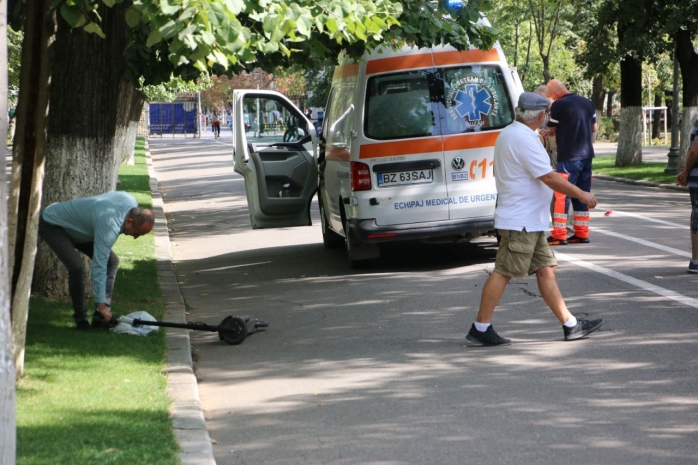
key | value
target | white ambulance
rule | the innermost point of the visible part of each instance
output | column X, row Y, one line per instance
column 405, row 153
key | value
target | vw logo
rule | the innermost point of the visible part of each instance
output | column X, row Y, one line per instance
column 458, row 163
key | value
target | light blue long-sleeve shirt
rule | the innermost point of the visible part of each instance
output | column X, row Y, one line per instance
column 99, row 219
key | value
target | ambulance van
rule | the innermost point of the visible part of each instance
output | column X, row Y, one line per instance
column 405, row 152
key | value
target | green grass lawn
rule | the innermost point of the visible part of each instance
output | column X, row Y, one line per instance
column 647, row 171
column 98, row 397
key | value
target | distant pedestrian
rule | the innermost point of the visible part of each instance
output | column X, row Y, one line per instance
column 216, row 126
column 524, row 181
column 291, row 128
column 91, row 226
column 689, row 177
column 572, row 121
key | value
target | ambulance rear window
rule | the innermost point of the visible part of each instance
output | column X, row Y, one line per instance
column 398, row 106
column 440, row 101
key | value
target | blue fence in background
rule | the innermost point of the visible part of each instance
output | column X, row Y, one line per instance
column 172, row 118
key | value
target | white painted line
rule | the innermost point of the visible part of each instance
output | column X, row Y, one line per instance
column 654, row 245
column 233, row 266
column 653, row 220
column 630, row 280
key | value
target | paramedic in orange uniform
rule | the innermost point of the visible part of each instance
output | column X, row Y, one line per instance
column 572, row 121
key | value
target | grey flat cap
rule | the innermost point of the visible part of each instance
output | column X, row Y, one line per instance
column 533, row 101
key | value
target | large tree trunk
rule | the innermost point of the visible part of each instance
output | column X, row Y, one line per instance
column 688, row 60
column 92, row 126
column 28, row 167
column 8, row 437
column 630, row 133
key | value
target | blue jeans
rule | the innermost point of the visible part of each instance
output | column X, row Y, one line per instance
column 578, row 173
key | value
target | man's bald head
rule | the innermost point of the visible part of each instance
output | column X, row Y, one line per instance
column 556, row 89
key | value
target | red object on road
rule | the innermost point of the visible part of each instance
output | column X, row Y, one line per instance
column 608, row 213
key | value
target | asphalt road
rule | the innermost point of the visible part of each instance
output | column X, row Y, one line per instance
column 369, row 367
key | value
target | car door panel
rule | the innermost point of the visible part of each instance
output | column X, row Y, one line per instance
column 274, row 151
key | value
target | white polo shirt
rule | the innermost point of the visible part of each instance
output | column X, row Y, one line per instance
column 523, row 201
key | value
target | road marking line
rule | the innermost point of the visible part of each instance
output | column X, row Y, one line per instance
column 654, row 220
column 691, row 302
column 654, row 245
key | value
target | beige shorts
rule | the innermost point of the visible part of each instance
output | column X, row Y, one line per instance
column 522, row 253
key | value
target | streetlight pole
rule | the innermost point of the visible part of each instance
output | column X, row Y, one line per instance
column 673, row 154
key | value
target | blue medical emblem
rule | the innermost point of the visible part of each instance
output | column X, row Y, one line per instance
column 473, row 102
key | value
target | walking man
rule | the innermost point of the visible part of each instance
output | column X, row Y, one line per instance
column 689, row 177
column 572, row 121
column 524, row 180
column 91, row 225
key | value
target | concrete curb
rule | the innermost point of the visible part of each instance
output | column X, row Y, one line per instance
column 641, row 183
column 187, row 417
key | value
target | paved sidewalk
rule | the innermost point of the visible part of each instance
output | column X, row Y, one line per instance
column 182, row 388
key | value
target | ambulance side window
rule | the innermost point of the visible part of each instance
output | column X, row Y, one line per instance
column 339, row 120
column 474, row 98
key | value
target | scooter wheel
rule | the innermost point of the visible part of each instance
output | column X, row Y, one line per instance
column 232, row 330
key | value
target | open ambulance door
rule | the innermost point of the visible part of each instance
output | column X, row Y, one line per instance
column 274, row 151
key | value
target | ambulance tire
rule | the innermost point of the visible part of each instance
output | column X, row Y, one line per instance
column 330, row 239
column 350, row 244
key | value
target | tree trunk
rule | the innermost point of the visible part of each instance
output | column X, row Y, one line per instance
column 92, row 127
column 128, row 117
column 656, row 116
column 546, row 68
column 597, row 95
column 28, row 167
column 8, row 437
column 688, row 61
column 630, row 133
column 609, row 102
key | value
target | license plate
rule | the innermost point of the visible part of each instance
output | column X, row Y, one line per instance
column 399, row 178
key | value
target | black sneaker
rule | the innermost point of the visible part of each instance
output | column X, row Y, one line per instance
column 83, row 325
column 583, row 328
column 98, row 321
column 487, row 338
column 553, row 241
column 578, row 240
column 692, row 268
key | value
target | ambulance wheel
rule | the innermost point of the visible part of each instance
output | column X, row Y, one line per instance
column 354, row 264
column 330, row 239
column 232, row 330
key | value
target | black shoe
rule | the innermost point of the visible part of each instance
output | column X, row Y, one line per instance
column 487, row 338
column 577, row 240
column 553, row 241
column 692, row 268
column 98, row 321
column 583, row 328
column 83, row 325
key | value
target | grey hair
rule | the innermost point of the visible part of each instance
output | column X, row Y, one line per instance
column 528, row 115
column 542, row 90
column 141, row 216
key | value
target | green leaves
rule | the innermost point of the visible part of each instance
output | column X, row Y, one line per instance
column 190, row 38
column 83, row 13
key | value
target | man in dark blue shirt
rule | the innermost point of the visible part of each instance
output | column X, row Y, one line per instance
column 573, row 122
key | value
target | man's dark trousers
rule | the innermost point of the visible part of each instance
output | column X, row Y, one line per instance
column 66, row 250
